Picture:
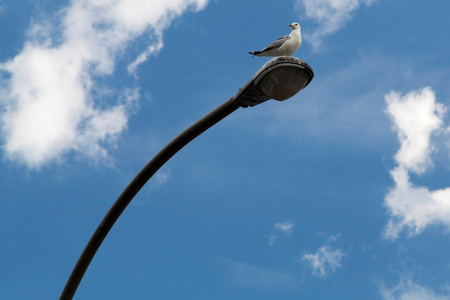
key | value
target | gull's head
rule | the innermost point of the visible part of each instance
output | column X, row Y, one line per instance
column 294, row 26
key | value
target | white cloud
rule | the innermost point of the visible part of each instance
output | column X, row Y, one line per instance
column 286, row 228
column 408, row 290
column 330, row 15
column 416, row 117
column 414, row 208
column 48, row 90
column 325, row 261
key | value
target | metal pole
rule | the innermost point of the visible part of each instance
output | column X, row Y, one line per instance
column 135, row 186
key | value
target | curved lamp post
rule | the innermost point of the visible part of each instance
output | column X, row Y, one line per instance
column 280, row 78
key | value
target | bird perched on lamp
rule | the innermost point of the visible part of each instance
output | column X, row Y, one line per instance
column 283, row 46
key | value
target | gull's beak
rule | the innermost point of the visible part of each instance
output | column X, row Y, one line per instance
column 292, row 26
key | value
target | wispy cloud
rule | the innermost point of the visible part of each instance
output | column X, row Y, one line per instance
column 50, row 92
column 151, row 50
column 416, row 117
column 339, row 106
column 250, row 276
column 325, row 261
column 330, row 16
column 408, row 290
column 286, row 228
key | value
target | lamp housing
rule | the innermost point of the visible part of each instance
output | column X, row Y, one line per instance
column 280, row 78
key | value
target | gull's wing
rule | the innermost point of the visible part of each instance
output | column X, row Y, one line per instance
column 278, row 42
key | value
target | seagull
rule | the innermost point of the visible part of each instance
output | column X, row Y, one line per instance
column 283, row 46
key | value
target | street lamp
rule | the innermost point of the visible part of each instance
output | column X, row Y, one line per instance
column 280, row 78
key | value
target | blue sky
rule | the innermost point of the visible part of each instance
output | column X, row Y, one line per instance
column 340, row 192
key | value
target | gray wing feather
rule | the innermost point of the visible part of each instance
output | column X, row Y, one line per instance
column 278, row 42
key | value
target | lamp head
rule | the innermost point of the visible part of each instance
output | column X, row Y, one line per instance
column 280, row 78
